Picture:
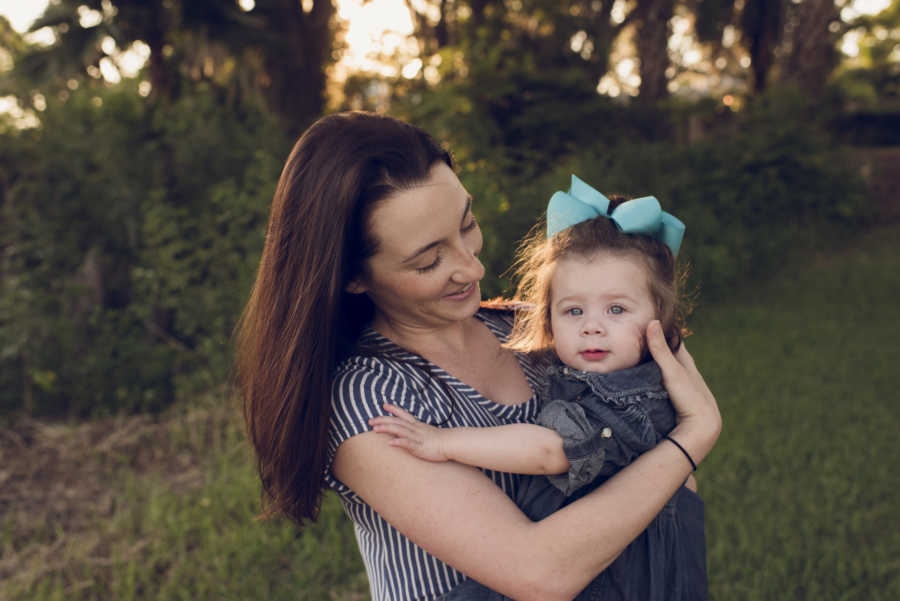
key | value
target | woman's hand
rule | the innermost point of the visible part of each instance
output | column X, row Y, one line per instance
column 422, row 440
column 699, row 420
column 691, row 483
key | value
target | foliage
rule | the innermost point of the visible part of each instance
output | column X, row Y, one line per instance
column 747, row 190
column 279, row 50
column 131, row 226
column 130, row 234
column 872, row 79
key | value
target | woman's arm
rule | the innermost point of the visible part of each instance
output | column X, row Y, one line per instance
column 514, row 448
column 457, row 514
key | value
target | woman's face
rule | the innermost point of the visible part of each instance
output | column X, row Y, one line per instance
column 425, row 272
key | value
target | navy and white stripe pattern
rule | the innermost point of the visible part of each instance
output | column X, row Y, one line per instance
column 398, row 569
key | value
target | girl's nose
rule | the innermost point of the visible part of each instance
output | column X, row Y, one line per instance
column 592, row 326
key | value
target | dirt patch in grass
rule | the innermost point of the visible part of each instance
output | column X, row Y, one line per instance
column 59, row 482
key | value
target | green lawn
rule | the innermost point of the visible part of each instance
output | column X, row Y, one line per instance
column 802, row 491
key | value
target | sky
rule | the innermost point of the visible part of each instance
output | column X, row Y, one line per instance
column 376, row 25
column 378, row 14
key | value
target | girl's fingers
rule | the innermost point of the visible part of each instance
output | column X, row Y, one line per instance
column 404, row 443
column 400, row 413
column 382, row 420
column 394, row 428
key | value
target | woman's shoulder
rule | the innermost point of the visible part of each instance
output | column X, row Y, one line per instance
column 379, row 371
column 360, row 386
column 361, row 376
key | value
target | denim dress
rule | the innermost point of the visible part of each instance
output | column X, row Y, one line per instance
column 606, row 422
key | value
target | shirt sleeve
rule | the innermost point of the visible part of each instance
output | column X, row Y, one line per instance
column 584, row 443
column 359, row 391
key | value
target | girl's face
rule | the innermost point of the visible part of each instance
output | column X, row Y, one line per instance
column 425, row 272
column 599, row 310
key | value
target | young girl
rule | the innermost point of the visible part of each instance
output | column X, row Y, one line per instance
column 603, row 273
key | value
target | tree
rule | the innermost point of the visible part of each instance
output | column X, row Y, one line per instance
column 813, row 30
column 296, row 47
column 281, row 48
column 652, row 42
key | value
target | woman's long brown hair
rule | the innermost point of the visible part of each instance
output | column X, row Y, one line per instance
column 299, row 321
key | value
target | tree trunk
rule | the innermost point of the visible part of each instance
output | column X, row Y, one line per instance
column 811, row 56
column 602, row 33
column 297, row 59
column 761, row 24
column 154, row 32
column 653, row 31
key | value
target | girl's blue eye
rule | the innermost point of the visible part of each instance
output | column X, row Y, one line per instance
column 617, row 309
column 575, row 311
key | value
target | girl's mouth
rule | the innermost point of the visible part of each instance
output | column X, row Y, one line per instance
column 594, row 354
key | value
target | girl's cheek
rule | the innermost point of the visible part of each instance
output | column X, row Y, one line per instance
column 637, row 335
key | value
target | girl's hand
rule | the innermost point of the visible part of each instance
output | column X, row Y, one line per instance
column 422, row 440
column 699, row 420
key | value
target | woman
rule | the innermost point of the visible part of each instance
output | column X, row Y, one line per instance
column 367, row 293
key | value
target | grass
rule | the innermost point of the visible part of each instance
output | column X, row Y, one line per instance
column 802, row 491
column 161, row 510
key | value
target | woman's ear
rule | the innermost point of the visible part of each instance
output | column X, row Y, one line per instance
column 355, row 286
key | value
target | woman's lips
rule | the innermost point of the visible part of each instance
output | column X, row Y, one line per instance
column 594, row 354
column 462, row 294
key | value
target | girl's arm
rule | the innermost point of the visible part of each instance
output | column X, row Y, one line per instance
column 514, row 448
column 456, row 513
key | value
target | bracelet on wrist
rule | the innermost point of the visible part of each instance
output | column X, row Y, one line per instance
column 683, row 450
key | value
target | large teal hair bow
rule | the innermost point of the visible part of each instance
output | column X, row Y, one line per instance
column 638, row 216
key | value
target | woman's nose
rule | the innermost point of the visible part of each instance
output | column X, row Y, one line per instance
column 469, row 268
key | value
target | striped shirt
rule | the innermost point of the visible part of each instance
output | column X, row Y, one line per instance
column 398, row 569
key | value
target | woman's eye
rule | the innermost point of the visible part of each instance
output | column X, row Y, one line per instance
column 469, row 226
column 575, row 312
column 430, row 266
column 617, row 309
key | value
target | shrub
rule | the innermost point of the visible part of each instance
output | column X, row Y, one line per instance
column 130, row 232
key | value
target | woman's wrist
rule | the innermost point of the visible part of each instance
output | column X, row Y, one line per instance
column 696, row 440
column 683, row 450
